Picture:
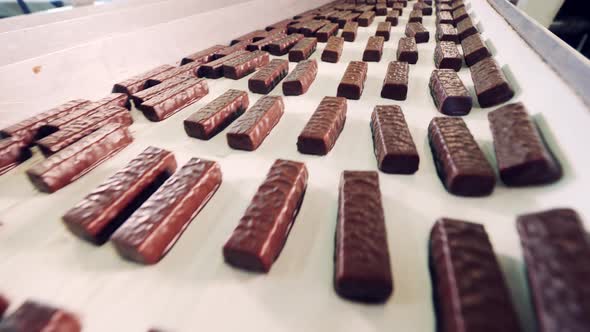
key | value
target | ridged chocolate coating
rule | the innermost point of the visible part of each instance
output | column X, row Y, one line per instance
column 214, row 69
column 12, row 153
column 36, row 317
column 167, row 103
column 262, row 232
column 466, row 28
column 460, row 14
column 103, row 210
column 460, row 163
column 349, row 31
column 250, row 37
column 283, row 45
column 69, row 164
column 449, row 94
column 417, row 31
column 374, row 49
column 426, row 9
column 265, row 80
column 407, row 50
column 366, row 18
column 557, row 256
column 447, row 32
column 250, row 130
column 146, row 94
column 303, row 49
column 137, row 82
column 189, row 70
column 342, row 21
column 353, row 81
column 447, row 56
column 491, row 86
column 241, row 46
column 399, row 7
column 323, row 128
column 301, row 78
column 362, row 269
column 392, row 17
column 395, row 83
column 469, row 289
column 416, row 16
column 203, row 56
column 244, row 65
column 521, row 153
column 392, row 142
column 333, row 49
column 444, row 17
column 310, row 28
column 383, row 30
column 474, row 49
column 326, row 32
column 217, row 115
column 457, row 4
column 259, row 45
column 153, row 229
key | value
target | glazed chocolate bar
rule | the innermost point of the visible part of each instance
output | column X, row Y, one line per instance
column 353, row 81
column 469, row 288
column 399, row 7
column 362, row 268
column 12, row 153
column 250, row 37
column 241, row 46
column 366, row 18
column 217, row 115
column 323, row 128
column 407, row 50
column 374, row 49
column 250, row 130
column 328, row 30
column 310, row 28
column 521, row 153
column 392, row 17
column 167, row 103
column 457, row 4
column 447, row 56
column 491, row 86
column 466, row 28
column 383, row 30
column 203, row 56
column 446, row 32
column 426, row 9
column 146, row 94
column 244, row 65
column 262, row 232
column 416, row 16
column 393, row 144
column 460, row 14
column 265, row 80
column 214, row 69
column 137, row 83
column 66, row 166
column 261, row 44
column 381, row 9
column 301, row 78
column 283, row 45
column 303, row 49
column 417, row 31
column 460, row 163
column 474, row 49
column 188, row 70
column 556, row 254
column 446, row 7
column 395, row 83
column 102, row 211
column 449, row 93
column 348, row 18
column 153, row 229
column 333, row 49
column 444, row 17
column 349, row 31
column 37, row 317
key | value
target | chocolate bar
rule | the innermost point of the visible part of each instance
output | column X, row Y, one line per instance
column 102, row 211
column 261, row 44
column 399, row 7
column 556, row 254
column 447, row 56
column 426, row 9
column 301, row 78
column 393, row 144
column 395, row 83
column 416, row 16
column 374, row 49
column 203, row 56
column 457, row 4
column 279, row 25
column 446, row 32
column 349, row 31
column 469, row 289
column 383, row 30
column 417, row 31
column 309, row 29
column 153, row 229
column 348, row 18
column 474, row 49
column 12, row 153
column 521, row 153
column 460, row 14
column 460, row 163
column 363, row 8
column 137, row 82
column 491, row 86
column 407, row 50
column 366, row 18
column 443, row 6
column 217, row 115
column 69, row 164
column 241, row 46
column 328, row 30
column 143, row 95
column 32, row 316
column 323, row 128
column 250, row 130
column 466, row 28
column 449, row 94
column 353, row 81
column 167, row 103
column 283, row 45
column 333, row 49
column 214, row 69
column 265, row 80
column 303, row 49
column 263, row 230
column 244, row 65
column 444, row 17
column 381, row 9
column 188, row 70
column 4, row 303
column 362, row 268
column 253, row 36
column 392, row 17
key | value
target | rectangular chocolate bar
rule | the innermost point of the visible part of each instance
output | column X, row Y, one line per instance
column 265, row 80
column 521, row 153
column 310, row 28
column 214, row 69
column 416, row 16
column 328, row 30
column 491, row 86
column 383, row 30
column 460, row 163
column 259, row 45
column 153, row 229
column 407, row 50
column 381, row 9
column 137, row 82
column 362, row 268
column 167, row 103
column 69, row 164
column 250, row 130
column 32, row 316
column 366, row 18
column 353, row 81
column 143, row 95
column 556, row 254
column 262, row 232
column 417, row 31
column 399, row 7
column 301, row 78
column 323, row 128
column 425, row 8
column 395, row 83
column 103, row 210
column 447, row 56
column 457, row 4
column 474, row 49
column 446, row 32
column 449, row 94
column 241, row 46
column 392, row 17
column 282, row 46
column 250, row 37
column 348, row 18
column 466, row 28
column 203, row 56
column 333, row 49
column 12, row 153
column 374, row 49
column 460, row 14
column 303, row 49
column 244, row 65
column 392, row 141
column 349, row 31
column 188, row 70
column 469, row 288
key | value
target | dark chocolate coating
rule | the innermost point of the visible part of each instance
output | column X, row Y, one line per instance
column 399, row 7
column 393, row 17
column 444, row 17
column 265, row 80
column 447, row 56
column 407, row 50
column 366, row 18
column 4, row 303
column 383, row 30
column 250, row 130
column 283, row 45
column 333, row 49
column 466, row 28
column 348, row 18
column 259, row 45
column 362, row 268
column 189, row 70
column 449, row 94
column 241, row 46
column 323, row 128
column 214, row 69
column 374, row 49
column 146, row 94
column 416, row 16
column 457, row 4
column 460, row 163
column 395, row 83
column 353, row 81
column 153, row 229
column 203, row 56
column 250, row 37
column 103, row 210
column 262, row 232
column 167, row 103
column 446, row 32
column 557, row 255
column 417, row 31
column 393, row 144
column 137, row 83
column 12, row 153
column 303, row 49
column 328, row 30
column 36, row 317
column 69, row 164
column 474, row 49
column 349, row 31
column 381, row 9
column 310, row 28
column 301, row 78
column 491, row 86
column 426, row 9
column 521, row 153
column 469, row 290
column 460, row 14
column 244, row 65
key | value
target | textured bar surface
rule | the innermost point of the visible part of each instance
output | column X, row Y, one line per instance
column 261, row 44
column 366, row 18
column 137, row 82
column 349, row 31
column 244, row 65
column 282, row 46
column 148, row 93
column 203, row 56
column 189, row 70
column 449, row 94
column 460, row 14
column 447, row 32
column 383, row 30
column 407, row 50
column 12, row 153
column 214, row 69
column 326, row 32
column 416, row 16
column 392, row 17
column 265, row 80
column 250, row 130
column 447, row 56
column 395, row 83
column 353, row 81
column 417, row 30
column 301, row 78
column 474, row 49
column 444, row 17
column 374, row 49
column 303, row 49
column 466, row 28
column 32, row 316
column 241, row 46
column 323, row 128
column 491, row 86
column 333, row 49
column 167, row 103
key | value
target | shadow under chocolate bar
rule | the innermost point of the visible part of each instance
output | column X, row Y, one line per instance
column 323, row 128
column 353, row 81
column 250, row 130
column 168, row 102
column 137, row 82
column 449, row 94
column 33, row 316
column 301, row 78
column 265, row 80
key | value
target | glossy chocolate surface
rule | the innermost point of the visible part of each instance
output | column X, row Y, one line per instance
column 146, row 94
column 383, row 30
column 33, row 316
column 326, row 32
column 283, row 45
column 466, row 28
column 333, row 49
column 449, row 94
column 167, row 103
column 417, row 30
column 491, row 85
column 353, row 81
column 244, row 65
column 203, row 56
column 392, row 17
column 474, row 49
column 214, row 69
column 137, row 82
column 250, row 130
column 301, row 78
column 265, row 80
column 303, row 49
column 366, row 18
column 261, row 44
column 447, row 56
column 189, row 70
column 241, row 46
column 12, row 153
column 407, row 50
column 349, row 31
column 395, row 83
column 374, row 49
column 323, row 128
